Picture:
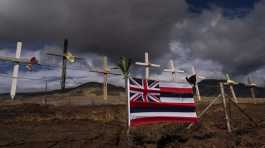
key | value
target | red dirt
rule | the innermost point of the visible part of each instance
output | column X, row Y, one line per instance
column 43, row 126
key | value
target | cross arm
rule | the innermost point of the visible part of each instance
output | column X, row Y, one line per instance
column 154, row 65
column 105, row 72
column 173, row 70
column 17, row 60
column 142, row 64
column 201, row 77
column 169, row 70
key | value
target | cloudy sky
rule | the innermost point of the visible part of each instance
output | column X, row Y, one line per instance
column 215, row 36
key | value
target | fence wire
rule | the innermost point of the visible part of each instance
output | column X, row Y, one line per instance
column 32, row 84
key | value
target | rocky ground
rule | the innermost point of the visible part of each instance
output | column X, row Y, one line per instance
column 68, row 126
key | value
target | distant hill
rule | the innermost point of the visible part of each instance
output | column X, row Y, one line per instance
column 210, row 87
column 81, row 90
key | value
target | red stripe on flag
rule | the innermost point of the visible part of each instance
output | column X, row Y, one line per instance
column 153, row 104
column 151, row 120
column 142, row 90
column 175, row 90
column 166, row 90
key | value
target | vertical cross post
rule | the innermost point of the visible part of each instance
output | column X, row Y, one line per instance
column 173, row 70
column 230, row 83
column 64, row 62
column 106, row 72
column 15, row 71
column 147, row 64
column 196, row 84
column 225, row 108
column 146, row 57
column 252, row 85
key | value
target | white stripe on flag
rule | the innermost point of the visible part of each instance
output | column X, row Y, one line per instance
column 162, row 114
column 174, row 84
column 176, row 100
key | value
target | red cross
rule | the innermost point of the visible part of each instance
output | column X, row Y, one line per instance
column 145, row 91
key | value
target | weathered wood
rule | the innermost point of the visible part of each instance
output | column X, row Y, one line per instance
column 147, row 65
column 233, row 93
column 105, row 87
column 225, row 108
column 197, row 90
column 252, row 86
column 17, row 61
column 244, row 113
column 15, row 72
column 173, row 71
column 252, row 90
column 205, row 110
column 64, row 62
column 231, row 84
column 128, row 104
column 106, row 72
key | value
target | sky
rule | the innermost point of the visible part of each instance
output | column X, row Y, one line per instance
column 215, row 36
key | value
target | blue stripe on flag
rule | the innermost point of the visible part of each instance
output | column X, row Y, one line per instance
column 162, row 109
column 176, row 95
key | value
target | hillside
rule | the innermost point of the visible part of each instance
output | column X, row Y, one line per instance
column 91, row 93
column 81, row 90
column 79, row 117
column 43, row 126
column 210, row 87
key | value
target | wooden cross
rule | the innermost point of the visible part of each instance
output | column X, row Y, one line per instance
column 196, row 84
column 17, row 61
column 63, row 75
column 105, row 71
column 252, row 86
column 173, row 70
column 231, row 83
column 66, row 56
column 147, row 65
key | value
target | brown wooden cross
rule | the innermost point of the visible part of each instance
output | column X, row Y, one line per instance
column 106, row 72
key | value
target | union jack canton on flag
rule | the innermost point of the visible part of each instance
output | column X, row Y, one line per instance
column 153, row 101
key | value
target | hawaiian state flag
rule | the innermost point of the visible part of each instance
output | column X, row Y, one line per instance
column 152, row 101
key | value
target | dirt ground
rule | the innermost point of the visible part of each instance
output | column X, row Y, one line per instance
column 47, row 126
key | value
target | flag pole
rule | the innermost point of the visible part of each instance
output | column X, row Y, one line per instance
column 128, row 108
column 128, row 102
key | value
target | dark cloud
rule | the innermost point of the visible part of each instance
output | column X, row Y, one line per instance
column 130, row 27
column 115, row 28
column 237, row 44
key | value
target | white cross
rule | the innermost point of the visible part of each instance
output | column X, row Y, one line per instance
column 173, row 70
column 147, row 65
column 17, row 60
column 15, row 71
column 252, row 86
column 251, row 83
column 230, row 83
